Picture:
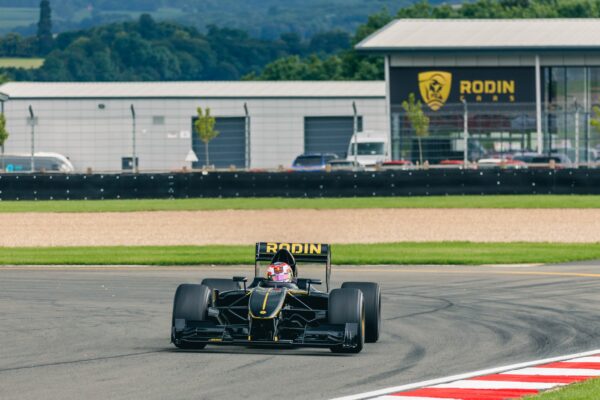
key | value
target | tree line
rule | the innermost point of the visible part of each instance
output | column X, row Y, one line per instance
column 348, row 64
column 146, row 50
column 264, row 19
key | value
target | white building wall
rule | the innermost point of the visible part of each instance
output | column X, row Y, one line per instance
column 97, row 138
column 508, row 59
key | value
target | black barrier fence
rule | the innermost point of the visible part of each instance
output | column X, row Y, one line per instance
column 264, row 184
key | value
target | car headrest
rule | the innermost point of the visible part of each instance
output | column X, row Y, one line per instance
column 284, row 255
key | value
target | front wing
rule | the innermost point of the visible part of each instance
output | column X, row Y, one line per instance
column 207, row 332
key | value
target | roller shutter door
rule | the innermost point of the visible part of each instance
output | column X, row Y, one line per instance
column 328, row 134
column 229, row 148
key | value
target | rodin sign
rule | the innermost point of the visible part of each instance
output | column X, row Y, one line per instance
column 439, row 86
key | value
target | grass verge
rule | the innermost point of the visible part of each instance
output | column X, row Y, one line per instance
column 587, row 390
column 539, row 201
column 434, row 253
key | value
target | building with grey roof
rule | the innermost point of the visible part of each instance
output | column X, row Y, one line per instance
column 526, row 84
column 261, row 124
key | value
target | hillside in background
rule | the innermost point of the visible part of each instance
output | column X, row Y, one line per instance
column 146, row 50
column 264, row 19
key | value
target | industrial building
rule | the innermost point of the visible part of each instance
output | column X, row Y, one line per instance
column 526, row 84
column 100, row 126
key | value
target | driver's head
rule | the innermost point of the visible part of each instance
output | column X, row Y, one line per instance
column 279, row 272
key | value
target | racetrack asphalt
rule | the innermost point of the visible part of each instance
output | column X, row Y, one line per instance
column 98, row 333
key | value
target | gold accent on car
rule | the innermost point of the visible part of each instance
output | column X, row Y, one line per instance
column 264, row 306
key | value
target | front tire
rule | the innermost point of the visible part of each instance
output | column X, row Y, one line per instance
column 346, row 305
column 372, row 295
column 191, row 302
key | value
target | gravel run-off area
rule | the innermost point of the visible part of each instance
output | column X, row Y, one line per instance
column 329, row 226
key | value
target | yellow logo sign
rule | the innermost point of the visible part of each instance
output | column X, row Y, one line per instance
column 435, row 88
column 294, row 248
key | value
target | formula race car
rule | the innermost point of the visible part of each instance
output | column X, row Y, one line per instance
column 266, row 312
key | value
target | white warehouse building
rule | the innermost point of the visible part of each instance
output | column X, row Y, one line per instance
column 260, row 124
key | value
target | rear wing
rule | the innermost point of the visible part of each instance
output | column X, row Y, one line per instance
column 318, row 253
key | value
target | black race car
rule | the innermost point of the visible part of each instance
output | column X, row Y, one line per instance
column 296, row 314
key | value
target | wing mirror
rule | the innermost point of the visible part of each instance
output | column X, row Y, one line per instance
column 242, row 279
column 312, row 282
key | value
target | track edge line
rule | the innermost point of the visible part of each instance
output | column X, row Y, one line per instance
column 452, row 378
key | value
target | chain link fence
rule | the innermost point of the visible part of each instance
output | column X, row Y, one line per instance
column 492, row 134
column 254, row 134
column 158, row 135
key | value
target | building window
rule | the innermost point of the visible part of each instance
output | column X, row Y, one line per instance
column 594, row 86
column 158, row 120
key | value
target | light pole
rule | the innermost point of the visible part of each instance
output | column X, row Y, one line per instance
column 576, row 134
column 355, row 136
column 465, row 133
column 32, row 116
column 134, row 164
column 247, row 128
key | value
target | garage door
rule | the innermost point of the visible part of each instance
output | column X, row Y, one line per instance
column 229, row 148
column 328, row 134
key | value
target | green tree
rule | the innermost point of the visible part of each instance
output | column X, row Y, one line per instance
column 418, row 120
column 44, row 31
column 595, row 120
column 205, row 128
column 3, row 136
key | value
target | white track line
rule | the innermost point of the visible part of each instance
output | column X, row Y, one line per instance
column 586, row 359
column 438, row 381
column 555, row 372
column 468, row 384
column 411, row 398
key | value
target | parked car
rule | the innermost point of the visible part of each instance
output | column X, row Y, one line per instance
column 397, row 164
column 43, row 162
column 436, row 149
column 345, row 165
column 542, row 160
column 501, row 163
column 312, row 161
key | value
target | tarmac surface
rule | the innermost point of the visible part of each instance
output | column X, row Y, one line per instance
column 98, row 333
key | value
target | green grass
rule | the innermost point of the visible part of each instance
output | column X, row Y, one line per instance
column 435, row 253
column 25, row 63
column 540, row 201
column 588, row 390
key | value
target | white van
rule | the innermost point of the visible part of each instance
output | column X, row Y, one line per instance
column 43, row 162
column 373, row 148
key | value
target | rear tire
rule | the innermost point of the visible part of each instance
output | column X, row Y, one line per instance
column 222, row 285
column 346, row 305
column 372, row 296
column 191, row 303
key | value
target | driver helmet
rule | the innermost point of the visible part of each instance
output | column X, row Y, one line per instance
column 279, row 272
